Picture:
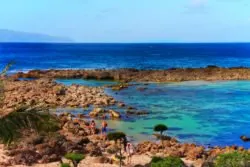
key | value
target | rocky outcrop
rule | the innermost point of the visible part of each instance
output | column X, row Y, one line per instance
column 184, row 150
column 48, row 93
column 99, row 112
column 173, row 74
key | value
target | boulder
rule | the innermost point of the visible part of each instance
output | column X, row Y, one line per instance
column 96, row 111
column 114, row 114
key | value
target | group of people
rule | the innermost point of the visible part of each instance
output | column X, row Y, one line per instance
column 128, row 147
column 104, row 126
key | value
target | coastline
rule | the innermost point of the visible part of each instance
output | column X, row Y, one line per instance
column 44, row 91
column 210, row 73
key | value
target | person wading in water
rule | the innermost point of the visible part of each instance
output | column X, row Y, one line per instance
column 104, row 128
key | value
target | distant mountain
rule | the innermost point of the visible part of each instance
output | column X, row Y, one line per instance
column 16, row 36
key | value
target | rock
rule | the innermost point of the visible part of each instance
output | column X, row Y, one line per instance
column 132, row 112
column 96, row 152
column 25, row 157
column 141, row 88
column 96, row 111
column 121, row 105
column 195, row 153
column 102, row 160
column 114, row 114
column 244, row 138
column 35, row 140
column 81, row 116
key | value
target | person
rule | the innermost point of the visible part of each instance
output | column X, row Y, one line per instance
column 130, row 152
column 104, row 127
column 92, row 126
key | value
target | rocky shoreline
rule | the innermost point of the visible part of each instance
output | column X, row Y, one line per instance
column 210, row 73
column 48, row 93
column 74, row 134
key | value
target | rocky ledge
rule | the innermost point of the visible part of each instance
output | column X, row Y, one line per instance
column 173, row 74
column 47, row 93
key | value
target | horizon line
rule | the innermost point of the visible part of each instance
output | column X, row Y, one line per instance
column 124, row 42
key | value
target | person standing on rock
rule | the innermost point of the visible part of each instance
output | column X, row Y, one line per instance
column 92, row 127
column 130, row 152
column 104, row 128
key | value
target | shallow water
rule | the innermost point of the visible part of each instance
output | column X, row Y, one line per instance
column 85, row 82
column 207, row 113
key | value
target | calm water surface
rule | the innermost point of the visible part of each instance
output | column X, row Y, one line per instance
column 207, row 113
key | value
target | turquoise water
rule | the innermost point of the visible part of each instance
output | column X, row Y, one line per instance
column 207, row 113
column 85, row 82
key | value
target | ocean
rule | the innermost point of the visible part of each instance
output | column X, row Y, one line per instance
column 27, row 56
column 206, row 113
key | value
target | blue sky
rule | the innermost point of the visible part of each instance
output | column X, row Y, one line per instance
column 131, row 20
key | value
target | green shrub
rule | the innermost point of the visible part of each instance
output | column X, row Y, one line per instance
column 160, row 128
column 116, row 136
column 234, row 159
column 75, row 158
column 167, row 162
column 65, row 165
column 156, row 159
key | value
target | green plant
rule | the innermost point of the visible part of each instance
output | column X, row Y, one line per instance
column 65, row 165
column 2, row 74
column 160, row 128
column 24, row 117
column 156, row 159
column 167, row 162
column 234, row 159
column 118, row 136
column 75, row 158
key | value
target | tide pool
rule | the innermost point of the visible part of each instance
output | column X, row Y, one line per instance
column 206, row 113
column 85, row 82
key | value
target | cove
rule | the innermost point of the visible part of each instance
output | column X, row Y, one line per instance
column 206, row 113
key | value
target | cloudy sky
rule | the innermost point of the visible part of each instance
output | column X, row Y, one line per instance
column 131, row 20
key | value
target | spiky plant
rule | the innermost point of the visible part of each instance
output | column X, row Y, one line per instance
column 2, row 74
column 37, row 119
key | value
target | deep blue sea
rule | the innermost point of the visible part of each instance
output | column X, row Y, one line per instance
column 207, row 113
column 143, row 56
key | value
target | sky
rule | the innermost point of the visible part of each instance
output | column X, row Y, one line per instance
column 131, row 20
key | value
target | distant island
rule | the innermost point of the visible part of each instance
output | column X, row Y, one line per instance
column 16, row 36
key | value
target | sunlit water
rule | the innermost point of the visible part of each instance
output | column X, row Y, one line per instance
column 207, row 113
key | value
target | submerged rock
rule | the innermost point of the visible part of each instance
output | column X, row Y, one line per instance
column 97, row 111
column 114, row 114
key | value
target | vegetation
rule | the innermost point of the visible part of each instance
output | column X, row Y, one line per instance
column 24, row 117
column 116, row 136
column 75, row 158
column 2, row 74
column 166, row 162
column 34, row 118
column 122, row 138
column 160, row 128
column 65, row 165
column 234, row 159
